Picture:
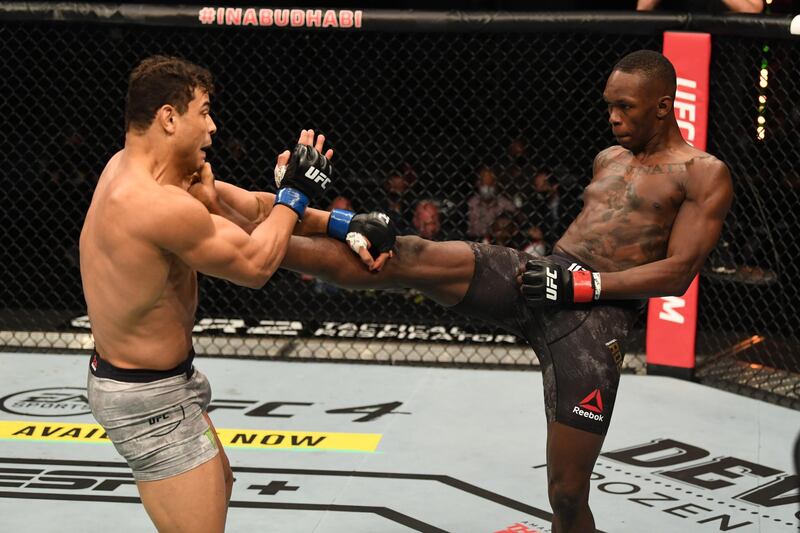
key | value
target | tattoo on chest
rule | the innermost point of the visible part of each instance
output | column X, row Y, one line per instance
column 627, row 169
column 626, row 239
column 619, row 200
column 621, row 195
column 639, row 170
column 650, row 240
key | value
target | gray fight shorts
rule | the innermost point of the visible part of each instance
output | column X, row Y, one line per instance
column 154, row 418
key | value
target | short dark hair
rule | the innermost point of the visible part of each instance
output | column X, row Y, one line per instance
column 653, row 65
column 160, row 80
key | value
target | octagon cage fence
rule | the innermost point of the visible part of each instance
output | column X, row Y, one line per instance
column 420, row 107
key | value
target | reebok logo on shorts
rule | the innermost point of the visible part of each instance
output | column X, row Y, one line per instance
column 591, row 407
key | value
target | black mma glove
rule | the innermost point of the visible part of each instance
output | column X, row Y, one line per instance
column 546, row 283
column 354, row 229
column 306, row 176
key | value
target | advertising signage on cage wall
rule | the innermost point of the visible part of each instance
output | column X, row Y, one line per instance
column 341, row 330
column 672, row 320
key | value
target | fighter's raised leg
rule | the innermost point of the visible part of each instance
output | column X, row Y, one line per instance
column 440, row 270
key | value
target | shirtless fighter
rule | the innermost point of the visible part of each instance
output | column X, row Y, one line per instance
column 651, row 214
column 142, row 243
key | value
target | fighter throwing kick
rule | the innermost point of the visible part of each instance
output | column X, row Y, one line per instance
column 652, row 213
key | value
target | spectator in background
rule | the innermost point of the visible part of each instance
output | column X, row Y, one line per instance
column 537, row 245
column 408, row 172
column 704, row 6
column 505, row 232
column 427, row 220
column 543, row 203
column 514, row 165
column 486, row 205
column 341, row 202
column 395, row 204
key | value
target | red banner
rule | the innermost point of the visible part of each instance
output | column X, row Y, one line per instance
column 672, row 320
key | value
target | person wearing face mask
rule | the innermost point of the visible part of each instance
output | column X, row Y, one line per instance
column 486, row 205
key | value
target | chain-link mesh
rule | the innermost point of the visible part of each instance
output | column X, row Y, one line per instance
column 412, row 117
column 748, row 320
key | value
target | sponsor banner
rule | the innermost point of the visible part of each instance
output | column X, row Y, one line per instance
column 672, row 329
column 693, row 485
column 672, row 321
column 281, row 18
column 340, row 330
column 387, row 501
column 299, row 440
column 51, row 431
column 26, row 430
column 47, row 402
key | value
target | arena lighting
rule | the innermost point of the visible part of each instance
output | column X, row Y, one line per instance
column 761, row 119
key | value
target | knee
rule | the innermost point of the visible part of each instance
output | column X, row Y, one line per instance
column 229, row 479
column 227, row 476
column 411, row 253
column 410, row 247
column 568, row 498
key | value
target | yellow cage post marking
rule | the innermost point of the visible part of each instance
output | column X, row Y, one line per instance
column 26, row 430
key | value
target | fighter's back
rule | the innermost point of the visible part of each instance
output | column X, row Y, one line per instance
column 147, row 321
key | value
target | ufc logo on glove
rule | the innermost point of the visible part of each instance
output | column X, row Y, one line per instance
column 552, row 288
column 318, row 177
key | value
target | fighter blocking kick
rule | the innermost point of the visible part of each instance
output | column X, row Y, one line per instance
column 651, row 214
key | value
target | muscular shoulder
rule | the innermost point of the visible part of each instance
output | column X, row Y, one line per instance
column 609, row 153
column 606, row 155
column 703, row 170
column 169, row 217
column 708, row 182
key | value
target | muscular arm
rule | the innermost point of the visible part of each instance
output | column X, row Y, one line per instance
column 247, row 209
column 214, row 246
column 694, row 234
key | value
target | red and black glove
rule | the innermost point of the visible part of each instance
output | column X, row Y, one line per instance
column 546, row 283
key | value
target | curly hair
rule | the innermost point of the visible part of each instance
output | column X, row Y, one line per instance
column 160, row 80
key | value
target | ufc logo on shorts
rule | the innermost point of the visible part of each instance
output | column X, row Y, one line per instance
column 314, row 173
column 552, row 290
